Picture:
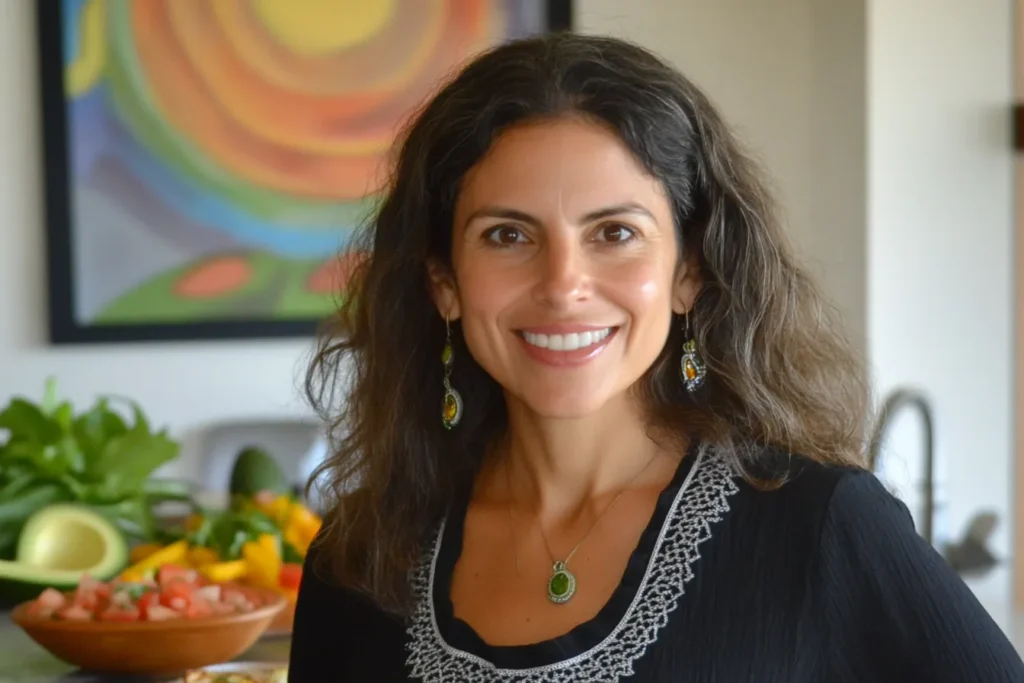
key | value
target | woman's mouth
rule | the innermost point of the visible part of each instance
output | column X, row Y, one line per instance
column 564, row 348
column 566, row 342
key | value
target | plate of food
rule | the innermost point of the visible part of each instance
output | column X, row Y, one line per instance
column 239, row 672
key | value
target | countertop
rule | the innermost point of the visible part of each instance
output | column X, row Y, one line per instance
column 22, row 661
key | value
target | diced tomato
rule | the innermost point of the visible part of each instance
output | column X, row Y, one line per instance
column 161, row 613
column 290, row 575
column 40, row 610
column 179, row 589
column 87, row 600
column 198, row 609
column 37, row 611
column 89, row 584
column 232, row 594
column 177, row 595
column 52, row 598
column 91, row 594
column 119, row 613
column 221, row 608
column 210, row 593
column 146, row 601
column 178, row 604
column 74, row 613
column 172, row 573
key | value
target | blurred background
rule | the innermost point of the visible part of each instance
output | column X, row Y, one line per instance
column 887, row 127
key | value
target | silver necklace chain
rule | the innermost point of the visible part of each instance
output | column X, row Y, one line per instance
column 547, row 546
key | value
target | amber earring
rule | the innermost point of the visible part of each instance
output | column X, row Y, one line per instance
column 692, row 365
column 451, row 409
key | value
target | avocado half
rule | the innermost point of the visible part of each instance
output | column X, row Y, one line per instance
column 57, row 547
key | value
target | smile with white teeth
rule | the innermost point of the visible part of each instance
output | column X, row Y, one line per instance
column 566, row 342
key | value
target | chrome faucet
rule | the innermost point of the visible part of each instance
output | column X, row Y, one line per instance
column 971, row 554
column 894, row 402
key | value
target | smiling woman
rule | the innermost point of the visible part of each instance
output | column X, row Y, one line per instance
column 594, row 421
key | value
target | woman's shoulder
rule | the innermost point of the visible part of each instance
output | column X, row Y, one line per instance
column 825, row 500
column 798, row 481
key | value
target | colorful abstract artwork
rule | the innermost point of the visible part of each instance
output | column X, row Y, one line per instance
column 208, row 160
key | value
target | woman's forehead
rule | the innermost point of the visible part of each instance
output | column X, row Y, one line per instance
column 566, row 167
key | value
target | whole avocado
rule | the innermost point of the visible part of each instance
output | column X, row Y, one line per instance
column 255, row 471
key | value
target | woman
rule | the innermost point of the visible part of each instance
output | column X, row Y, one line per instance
column 603, row 427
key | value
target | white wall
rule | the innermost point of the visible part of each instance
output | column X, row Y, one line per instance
column 940, row 251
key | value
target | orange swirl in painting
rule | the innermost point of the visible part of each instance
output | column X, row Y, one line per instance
column 386, row 62
column 307, row 141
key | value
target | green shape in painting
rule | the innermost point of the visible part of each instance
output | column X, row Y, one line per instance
column 253, row 285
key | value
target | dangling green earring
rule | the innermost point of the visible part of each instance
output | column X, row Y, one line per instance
column 451, row 409
column 692, row 365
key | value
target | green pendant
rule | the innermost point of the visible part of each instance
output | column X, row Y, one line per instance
column 561, row 585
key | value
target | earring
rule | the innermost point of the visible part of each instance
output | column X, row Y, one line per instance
column 692, row 365
column 451, row 408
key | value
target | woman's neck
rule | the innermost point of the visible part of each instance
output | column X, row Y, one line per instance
column 558, row 467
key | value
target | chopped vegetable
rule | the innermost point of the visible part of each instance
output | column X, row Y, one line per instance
column 260, row 541
column 176, row 593
column 290, row 576
column 172, row 554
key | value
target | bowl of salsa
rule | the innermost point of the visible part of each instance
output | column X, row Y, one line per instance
column 174, row 622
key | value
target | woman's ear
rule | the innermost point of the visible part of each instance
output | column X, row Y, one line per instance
column 443, row 290
column 687, row 285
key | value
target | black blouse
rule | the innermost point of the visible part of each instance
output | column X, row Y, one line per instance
column 821, row 580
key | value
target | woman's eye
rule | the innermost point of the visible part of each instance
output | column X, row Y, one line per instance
column 615, row 232
column 505, row 235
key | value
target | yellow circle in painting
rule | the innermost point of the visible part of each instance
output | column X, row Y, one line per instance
column 316, row 27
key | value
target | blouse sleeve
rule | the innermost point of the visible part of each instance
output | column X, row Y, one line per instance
column 896, row 609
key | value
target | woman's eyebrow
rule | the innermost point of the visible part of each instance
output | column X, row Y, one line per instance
column 618, row 210
column 502, row 212
column 523, row 217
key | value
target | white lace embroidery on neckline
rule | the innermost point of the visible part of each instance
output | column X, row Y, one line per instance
column 701, row 501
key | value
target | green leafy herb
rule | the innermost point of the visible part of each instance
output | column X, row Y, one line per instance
column 100, row 457
column 227, row 531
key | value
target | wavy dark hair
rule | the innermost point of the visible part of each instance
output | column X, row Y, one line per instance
column 780, row 372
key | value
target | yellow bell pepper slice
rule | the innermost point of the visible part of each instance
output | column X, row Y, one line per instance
column 222, row 572
column 301, row 528
column 199, row 556
column 175, row 553
column 263, row 558
column 141, row 552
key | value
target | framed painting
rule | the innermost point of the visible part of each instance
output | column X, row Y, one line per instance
column 206, row 161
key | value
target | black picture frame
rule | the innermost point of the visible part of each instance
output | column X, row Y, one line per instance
column 64, row 328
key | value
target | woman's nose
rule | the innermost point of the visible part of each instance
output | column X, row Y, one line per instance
column 564, row 277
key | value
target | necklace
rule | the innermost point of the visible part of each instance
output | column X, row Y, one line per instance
column 562, row 583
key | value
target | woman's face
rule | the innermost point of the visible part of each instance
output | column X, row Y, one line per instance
column 564, row 258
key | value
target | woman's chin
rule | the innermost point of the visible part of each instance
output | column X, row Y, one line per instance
column 563, row 406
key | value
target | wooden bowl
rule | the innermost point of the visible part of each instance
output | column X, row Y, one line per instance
column 283, row 622
column 151, row 647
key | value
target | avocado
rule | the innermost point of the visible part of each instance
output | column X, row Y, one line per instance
column 255, row 471
column 58, row 545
